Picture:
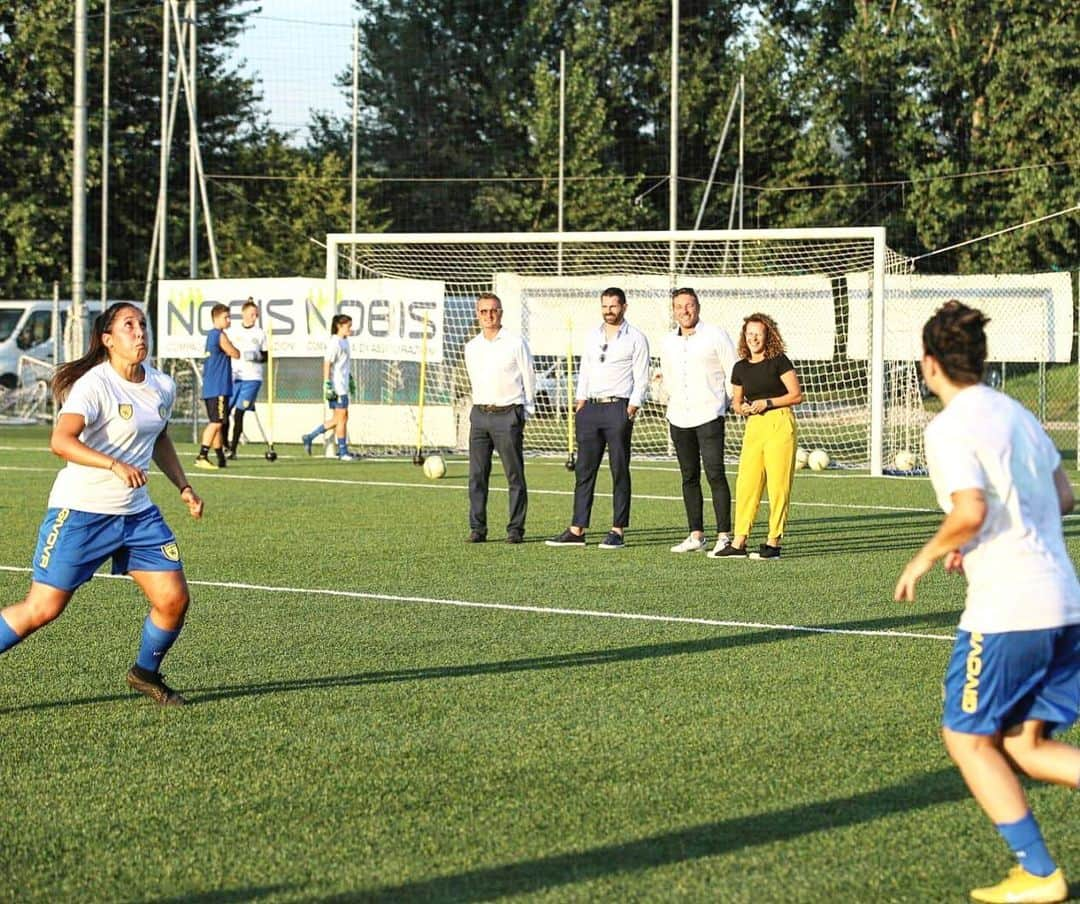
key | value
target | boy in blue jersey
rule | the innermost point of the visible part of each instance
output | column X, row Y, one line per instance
column 217, row 388
column 1014, row 676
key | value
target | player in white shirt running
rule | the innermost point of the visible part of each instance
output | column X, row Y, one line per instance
column 1014, row 676
column 113, row 423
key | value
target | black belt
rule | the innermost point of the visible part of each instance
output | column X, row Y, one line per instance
column 495, row 409
column 606, row 400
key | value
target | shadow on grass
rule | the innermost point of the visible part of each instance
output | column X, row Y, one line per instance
column 196, row 696
column 825, row 536
column 227, row 895
column 725, row 836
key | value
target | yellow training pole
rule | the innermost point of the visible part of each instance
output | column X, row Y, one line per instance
column 271, row 455
column 418, row 457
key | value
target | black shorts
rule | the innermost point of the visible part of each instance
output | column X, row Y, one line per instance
column 217, row 408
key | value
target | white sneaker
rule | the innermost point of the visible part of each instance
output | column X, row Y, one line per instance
column 690, row 544
column 347, row 457
column 722, row 543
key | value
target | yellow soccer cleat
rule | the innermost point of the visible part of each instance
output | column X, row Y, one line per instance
column 1021, row 886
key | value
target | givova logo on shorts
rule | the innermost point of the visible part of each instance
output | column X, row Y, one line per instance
column 969, row 701
column 54, row 535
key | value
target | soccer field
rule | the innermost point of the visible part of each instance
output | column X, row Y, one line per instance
column 382, row 712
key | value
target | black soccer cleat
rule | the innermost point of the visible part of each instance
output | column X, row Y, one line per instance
column 153, row 685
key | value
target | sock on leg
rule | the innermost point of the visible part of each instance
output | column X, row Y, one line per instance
column 204, row 451
column 318, row 431
column 8, row 638
column 154, row 645
column 1026, row 842
column 342, row 446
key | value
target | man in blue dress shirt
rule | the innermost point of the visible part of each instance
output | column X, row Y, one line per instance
column 611, row 387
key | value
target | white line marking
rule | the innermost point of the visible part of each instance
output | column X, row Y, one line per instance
column 539, row 610
column 460, row 487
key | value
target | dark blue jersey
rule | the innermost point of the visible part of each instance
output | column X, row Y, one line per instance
column 217, row 370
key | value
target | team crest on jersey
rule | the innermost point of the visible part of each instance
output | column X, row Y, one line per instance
column 126, row 411
column 171, row 552
column 162, row 413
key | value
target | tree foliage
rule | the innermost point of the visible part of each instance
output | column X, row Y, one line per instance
column 943, row 120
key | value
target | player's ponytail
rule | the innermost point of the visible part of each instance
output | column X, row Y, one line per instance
column 67, row 374
column 955, row 337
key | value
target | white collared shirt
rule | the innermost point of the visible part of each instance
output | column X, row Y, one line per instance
column 697, row 374
column 501, row 370
column 623, row 371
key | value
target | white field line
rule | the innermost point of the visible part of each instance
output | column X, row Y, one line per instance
column 536, row 610
column 439, row 485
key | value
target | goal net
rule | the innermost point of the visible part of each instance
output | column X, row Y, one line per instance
column 412, row 299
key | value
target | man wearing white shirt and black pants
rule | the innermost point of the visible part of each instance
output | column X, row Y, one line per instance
column 696, row 361
column 611, row 387
column 500, row 370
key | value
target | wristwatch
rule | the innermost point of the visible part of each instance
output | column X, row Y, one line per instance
column 768, row 404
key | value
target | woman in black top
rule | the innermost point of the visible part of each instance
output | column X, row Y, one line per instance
column 765, row 387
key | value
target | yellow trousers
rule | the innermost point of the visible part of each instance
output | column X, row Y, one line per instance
column 767, row 460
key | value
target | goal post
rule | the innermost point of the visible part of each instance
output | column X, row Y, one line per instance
column 824, row 287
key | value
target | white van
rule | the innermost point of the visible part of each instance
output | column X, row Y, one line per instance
column 26, row 328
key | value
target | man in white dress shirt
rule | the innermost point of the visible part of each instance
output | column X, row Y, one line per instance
column 611, row 387
column 503, row 383
column 696, row 361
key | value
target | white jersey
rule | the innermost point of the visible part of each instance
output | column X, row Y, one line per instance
column 123, row 420
column 250, row 341
column 1019, row 574
column 337, row 353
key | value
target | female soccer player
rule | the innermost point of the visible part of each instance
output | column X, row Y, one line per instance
column 337, row 385
column 113, row 421
column 764, row 389
column 1014, row 676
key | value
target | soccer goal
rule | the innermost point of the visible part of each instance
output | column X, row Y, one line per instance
column 412, row 301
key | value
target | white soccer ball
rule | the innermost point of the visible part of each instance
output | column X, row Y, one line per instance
column 800, row 458
column 818, row 460
column 434, row 467
column 904, row 460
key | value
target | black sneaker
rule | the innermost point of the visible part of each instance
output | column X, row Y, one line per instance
column 614, row 540
column 765, row 551
column 729, row 552
column 567, row 538
column 515, row 536
column 476, row 536
column 153, row 685
column 221, row 463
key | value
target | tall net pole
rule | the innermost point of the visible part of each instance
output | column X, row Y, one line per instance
column 78, row 185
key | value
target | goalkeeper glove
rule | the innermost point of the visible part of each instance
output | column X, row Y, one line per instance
column 352, row 386
column 328, row 391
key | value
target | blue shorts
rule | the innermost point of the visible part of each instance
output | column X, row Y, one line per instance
column 72, row 545
column 996, row 681
column 342, row 401
column 244, row 393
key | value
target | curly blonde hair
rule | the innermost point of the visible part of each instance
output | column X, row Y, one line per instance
column 774, row 342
